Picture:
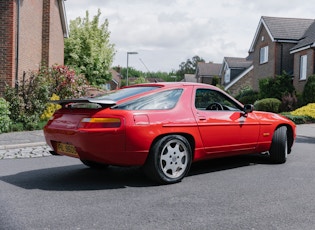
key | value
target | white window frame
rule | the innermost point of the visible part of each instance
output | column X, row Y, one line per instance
column 303, row 67
column 263, row 58
column 227, row 75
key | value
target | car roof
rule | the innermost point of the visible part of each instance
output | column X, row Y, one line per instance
column 172, row 84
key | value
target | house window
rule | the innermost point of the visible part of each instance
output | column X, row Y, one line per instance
column 108, row 87
column 227, row 76
column 263, row 55
column 303, row 67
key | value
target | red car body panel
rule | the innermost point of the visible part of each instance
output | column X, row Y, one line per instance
column 211, row 133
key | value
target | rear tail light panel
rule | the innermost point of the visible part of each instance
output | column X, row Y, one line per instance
column 100, row 123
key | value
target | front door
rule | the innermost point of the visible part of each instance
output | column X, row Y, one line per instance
column 223, row 126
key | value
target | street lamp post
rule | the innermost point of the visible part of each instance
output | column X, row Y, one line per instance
column 127, row 83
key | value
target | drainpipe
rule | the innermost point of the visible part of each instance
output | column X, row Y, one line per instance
column 281, row 59
column 17, row 46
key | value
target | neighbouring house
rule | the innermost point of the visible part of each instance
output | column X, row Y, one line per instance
column 272, row 44
column 189, row 78
column 115, row 82
column 279, row 45
column 31, row 34
column 236, row 73
column 205, row 72
column 304, row 58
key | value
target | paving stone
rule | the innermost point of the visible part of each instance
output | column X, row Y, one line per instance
column 28, row 152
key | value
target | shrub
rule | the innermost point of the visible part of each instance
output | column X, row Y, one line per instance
column 247, row 96
column 268, row 104
column 276, row 87
column 309, row 90
column 308, row 110
column 28, row 101
column 289, row 102
column 64, row 82
column 305, row 114
column 299, row 119
column 5, row 121
column 16, row 127
column 215, row 81
column 50, row 108
column 300, row 100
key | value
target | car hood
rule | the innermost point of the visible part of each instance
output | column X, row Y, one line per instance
column 272, row 117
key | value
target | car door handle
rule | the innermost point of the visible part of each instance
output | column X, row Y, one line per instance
column 202, row 118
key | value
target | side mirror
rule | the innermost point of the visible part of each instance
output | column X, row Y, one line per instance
column 248, row 108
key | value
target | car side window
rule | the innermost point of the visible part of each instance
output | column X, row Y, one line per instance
column 207, row 99
column 157, row 101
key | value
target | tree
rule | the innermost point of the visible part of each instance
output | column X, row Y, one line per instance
column 189, row 67
column 140, row 80
column 88, row 49
column 132, row 72
column 140, row 75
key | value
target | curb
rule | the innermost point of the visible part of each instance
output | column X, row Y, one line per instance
column 24, row 145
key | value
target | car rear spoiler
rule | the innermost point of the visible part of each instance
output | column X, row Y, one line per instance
column 92, row 103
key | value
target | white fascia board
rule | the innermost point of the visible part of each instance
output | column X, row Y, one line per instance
column 261, row 23
column 116, row 82
column 287, row 41
column 223, row 64
column 301, row 49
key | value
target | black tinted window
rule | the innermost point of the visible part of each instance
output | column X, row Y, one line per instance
column 207, row 99
column 158, row 101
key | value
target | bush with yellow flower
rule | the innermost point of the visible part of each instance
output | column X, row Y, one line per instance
column 50, row 108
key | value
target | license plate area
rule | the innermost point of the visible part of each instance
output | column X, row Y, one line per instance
column 63, row 148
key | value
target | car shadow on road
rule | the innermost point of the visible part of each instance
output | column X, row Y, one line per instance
column 78, row 178
column 81, row 178
column 227, row 163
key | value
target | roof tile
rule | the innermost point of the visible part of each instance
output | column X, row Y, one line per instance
column 287, row 28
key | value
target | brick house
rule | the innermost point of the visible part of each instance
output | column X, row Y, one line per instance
column 304, row 58
column 270, row 49
column 205, row 72
column 31, row 34
column 233, row 67
column 279, row 44
column 236, row 74
column 115, row 82
column 189, row 77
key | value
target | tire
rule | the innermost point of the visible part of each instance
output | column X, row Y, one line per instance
column 94, row 165
column 279, row 146
column 169, row 160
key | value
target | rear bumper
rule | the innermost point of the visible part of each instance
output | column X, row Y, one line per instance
column 99, row 146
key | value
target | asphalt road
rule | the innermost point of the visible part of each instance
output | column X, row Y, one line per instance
column 236, row 193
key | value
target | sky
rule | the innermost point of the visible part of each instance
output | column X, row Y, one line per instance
column 166, row 33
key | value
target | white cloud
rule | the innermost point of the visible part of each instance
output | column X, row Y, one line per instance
column 168, row 32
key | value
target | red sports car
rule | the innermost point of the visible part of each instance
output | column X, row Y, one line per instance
column 164, row 127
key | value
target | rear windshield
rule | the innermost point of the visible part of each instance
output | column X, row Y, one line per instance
column 126, row 92
column 158, row 101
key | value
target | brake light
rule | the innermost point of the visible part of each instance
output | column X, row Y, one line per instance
column 100, row 122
